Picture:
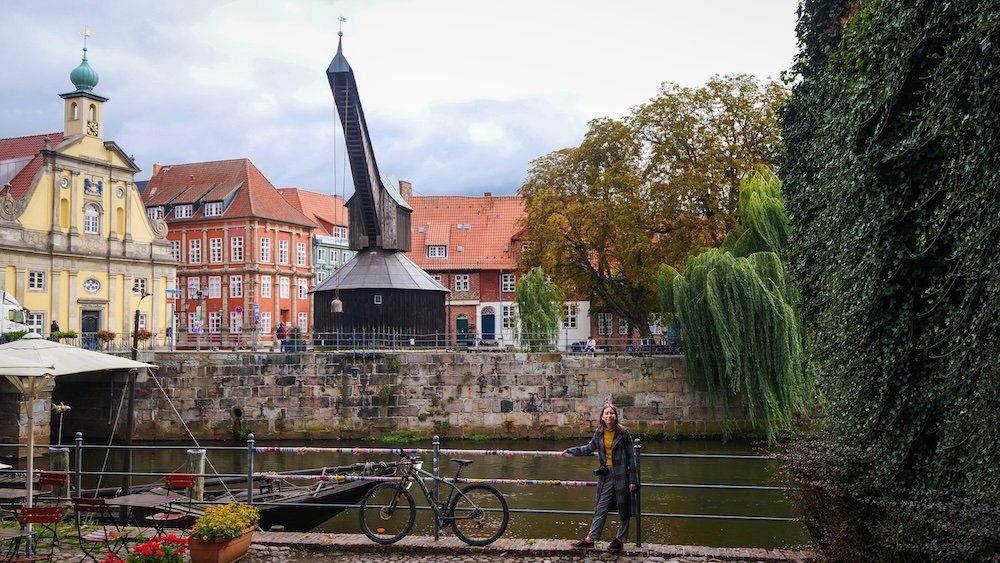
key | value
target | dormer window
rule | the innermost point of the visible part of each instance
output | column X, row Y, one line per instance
column 437, row 251
column 213, row 209
column 155, row 212
column 183, row 211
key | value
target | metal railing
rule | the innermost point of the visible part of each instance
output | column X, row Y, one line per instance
column 252, row 475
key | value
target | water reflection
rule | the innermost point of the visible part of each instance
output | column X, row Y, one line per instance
column 687, row 531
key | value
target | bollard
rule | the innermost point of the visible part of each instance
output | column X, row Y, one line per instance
column 250, row 442
column 196, row 465
column 638, row 489
column 59, row 461
column 79, row 467
column 436, row 490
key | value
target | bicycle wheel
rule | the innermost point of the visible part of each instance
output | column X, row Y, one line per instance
column 480, row 515
column 385, row 516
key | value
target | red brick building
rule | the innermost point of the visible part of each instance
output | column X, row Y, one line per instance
column 471, row 245
column 244, row 254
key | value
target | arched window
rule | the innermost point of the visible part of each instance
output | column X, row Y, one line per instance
column 91, row 219
column 74, row 111
column 93, row 113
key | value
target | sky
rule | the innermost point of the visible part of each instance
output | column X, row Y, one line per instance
column 460, row 95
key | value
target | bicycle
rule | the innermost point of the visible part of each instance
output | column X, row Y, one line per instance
column 478, row 513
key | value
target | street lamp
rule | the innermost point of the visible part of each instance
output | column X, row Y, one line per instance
column 130, row 421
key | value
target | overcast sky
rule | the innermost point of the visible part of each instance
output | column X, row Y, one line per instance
column 459, row 95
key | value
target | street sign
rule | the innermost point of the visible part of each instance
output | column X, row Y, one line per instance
column 197, row 327
column 173, row 292
column 256, row 314
column 237, row 309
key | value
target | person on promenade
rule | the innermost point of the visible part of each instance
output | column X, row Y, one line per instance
column 591, row 345
column 616, row 477
column 53, row 329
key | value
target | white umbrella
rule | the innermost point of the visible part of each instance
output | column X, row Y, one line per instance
column 31, row 364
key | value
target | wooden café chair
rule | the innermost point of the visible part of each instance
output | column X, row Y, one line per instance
column 185, row 482
column 40, row 544
column 107, row 536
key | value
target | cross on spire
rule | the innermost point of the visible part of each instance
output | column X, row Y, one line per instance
column 85, row 34
column 340, row 32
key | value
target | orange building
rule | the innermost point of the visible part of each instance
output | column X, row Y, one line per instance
column 244, row 253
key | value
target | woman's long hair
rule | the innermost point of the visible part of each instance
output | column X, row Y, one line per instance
column 618, row 423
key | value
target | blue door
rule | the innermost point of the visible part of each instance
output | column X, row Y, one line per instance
column 489, row 324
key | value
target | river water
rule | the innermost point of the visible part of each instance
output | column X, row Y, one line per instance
column 672, row 530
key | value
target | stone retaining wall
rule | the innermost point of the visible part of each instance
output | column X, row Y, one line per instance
column 332, row 395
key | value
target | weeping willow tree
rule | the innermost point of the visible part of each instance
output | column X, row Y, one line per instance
column 736, row 311
column 539, row 311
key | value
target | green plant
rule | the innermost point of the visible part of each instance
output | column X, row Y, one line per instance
column 66, row 334
column 435, row 401
column 394, row 364
column 225, row 522
column 480, row 438
column 15, row 335
column 423, row 416
column 401, row 438
column 384, row 393
column 539, row 311
column 441, row 426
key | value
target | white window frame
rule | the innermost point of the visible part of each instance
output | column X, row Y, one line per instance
column 265, row 322
column 183, row 211
column 570, row 312
column 303, row 288
column 284, row 285
column 91, row 219
column 508, row 283
column 215, row 322
column 193, row 285
column 35, row 322
column 303, row 322
column 604, row 324
column 436, row 277
column 235, row 321
column 509, row 312
column 282, row 252
column 213, row 209
column 622, row 327
column 192, row 318
column 265, row 287
column 155, row 212
column 36, row 280
column 175, row 250
column 462, row 282
column 139, row 285
column 321, row 255
column 265, row 250
column 194, row 251
column 339, row 232
column 320, row 277
column 236, row 286
column 236, row 249
column 300, row 254
column 437, row 251
column 215, row 250
column 214, row 287
column 143, row 321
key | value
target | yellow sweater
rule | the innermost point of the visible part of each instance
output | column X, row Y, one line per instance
column 609, row 437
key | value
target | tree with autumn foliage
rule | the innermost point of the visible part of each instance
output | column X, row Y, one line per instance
column 652, row 188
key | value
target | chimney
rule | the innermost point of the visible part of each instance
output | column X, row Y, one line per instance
column 405, row 189
column 157, row 168
column 487, row 194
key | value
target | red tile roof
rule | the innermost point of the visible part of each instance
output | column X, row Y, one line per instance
column 255, row 196
column 323, row 209
column 21, row 147
column 486, row 243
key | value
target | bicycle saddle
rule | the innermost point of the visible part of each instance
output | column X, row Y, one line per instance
column 462, row 462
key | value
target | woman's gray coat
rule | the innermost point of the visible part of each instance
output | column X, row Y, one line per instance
column 622, row 469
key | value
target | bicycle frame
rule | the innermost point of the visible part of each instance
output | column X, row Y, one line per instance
column 439, row 507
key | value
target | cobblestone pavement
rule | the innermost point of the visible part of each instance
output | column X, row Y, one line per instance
column 271, row 547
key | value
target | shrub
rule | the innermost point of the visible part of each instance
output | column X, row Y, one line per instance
column 225, row 522
column 106, row 335
column 144, row 334
column 168, row 549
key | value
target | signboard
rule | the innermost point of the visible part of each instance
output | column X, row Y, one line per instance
column 197, row 327
column 173, row 293
column 237, row 309
column 256, row 314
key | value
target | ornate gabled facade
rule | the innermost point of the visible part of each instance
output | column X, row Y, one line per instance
column 75, row 241
column 244, row 253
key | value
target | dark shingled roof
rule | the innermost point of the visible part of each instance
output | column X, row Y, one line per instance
column 375, row 268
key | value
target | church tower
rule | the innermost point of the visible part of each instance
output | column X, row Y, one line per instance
column 83, row 106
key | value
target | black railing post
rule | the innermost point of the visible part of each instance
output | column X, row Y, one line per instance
column 250, row 442
column 79, row 464
column 638, row 494
column 436, row 490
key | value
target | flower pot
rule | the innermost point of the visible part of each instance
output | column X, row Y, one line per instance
column 219, row 551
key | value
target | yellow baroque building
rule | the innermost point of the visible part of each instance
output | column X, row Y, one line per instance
column 76, row 246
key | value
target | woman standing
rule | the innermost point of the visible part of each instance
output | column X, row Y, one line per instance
column 616, row 477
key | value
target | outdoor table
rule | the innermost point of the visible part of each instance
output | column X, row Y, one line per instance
column 14, row 536
column 144, row 500
column 12, row 499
